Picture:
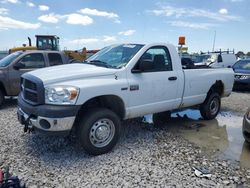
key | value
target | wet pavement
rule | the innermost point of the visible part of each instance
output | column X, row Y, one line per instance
column 221, row 137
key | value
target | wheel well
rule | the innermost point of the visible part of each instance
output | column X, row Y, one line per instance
column 110, row 102
column 217, row 87
column 2, row 88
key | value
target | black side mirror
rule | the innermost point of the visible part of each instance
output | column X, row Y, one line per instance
column 18, row 66
column 220, row 59
column 144, row 66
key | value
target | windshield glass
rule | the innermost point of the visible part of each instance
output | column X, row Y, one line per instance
column 115, row 56
column 201, row 58
column 8, row 59
column 243, row 64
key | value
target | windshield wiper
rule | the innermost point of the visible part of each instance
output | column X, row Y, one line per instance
column 101, row 63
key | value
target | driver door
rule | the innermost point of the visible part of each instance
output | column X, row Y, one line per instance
column 156, row 89
column 27, row 63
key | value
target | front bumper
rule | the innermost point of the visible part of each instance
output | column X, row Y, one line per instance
column 246, row 129
column 242, row 84
column 52, row 119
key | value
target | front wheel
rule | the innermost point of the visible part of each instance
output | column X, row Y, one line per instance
column 99, row 131
column 211, row 107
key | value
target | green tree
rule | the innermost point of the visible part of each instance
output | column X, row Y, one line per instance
column 240, row 54
column 248, row 54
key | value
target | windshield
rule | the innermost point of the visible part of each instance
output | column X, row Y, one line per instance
column 115, row 56
column 202, row 58
column 8, row 59
column 243, row 64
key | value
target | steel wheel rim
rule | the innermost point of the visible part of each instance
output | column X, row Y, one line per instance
column 102, row 132
column 214, row 106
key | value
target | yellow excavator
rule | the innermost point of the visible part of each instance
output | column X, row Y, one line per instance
column 51, row 42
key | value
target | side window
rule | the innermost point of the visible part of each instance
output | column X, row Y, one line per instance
column 32, row 61
column 160, row 58
column 55, row 59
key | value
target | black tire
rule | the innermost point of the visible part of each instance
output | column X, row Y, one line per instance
column 1, row 98
column 96, row 121
column 211, row 107
column 160, row 119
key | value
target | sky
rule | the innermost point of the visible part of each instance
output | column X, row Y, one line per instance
column 97, row 23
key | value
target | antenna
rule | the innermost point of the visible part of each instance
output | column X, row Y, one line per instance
column 214, row 40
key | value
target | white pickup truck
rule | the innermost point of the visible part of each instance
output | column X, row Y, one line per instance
column 117, row 83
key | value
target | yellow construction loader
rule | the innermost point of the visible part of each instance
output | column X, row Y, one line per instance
column 51, row 42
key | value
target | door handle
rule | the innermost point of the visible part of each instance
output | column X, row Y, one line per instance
column 172, row 78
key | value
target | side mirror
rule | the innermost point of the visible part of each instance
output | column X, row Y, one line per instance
column 18, row 66
column 144, row 66
column 220, row 59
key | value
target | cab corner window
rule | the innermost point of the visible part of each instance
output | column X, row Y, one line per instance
column 55, row 59
column 155, row 59
column 32, row 61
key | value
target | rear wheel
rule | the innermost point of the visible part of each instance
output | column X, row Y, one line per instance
column 159, row 119
column 99, row 131
column 1, row 98
column 211, row 107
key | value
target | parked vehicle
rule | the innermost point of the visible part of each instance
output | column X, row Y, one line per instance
column 242, row 74
column 15, row 64
column 117, row 83
column 246, row 126
column 218, row 59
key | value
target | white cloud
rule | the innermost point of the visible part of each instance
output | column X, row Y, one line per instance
column 95, row 12
column 127, row 33
column 84, row 41
column 3, row 11
column 223, row 11
column 10, row 1
column 30, row 4
column 109, row 39
column 87, row 41
column 9, row 23
column 49, row 18
column 74, row 19
column 193, row 12
column 234, row 1
column 192, row 25
column 78, row 19
column 43, row 8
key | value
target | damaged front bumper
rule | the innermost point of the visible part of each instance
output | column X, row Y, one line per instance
column 48, row 119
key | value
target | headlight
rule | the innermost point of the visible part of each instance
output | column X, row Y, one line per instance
column 61, row 95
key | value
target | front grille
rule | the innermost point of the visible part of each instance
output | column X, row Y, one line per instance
column 31, row 96
column 30, row 85
column 32, row 90
column 242, row 76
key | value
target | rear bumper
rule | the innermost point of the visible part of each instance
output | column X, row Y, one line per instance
column 53, row 119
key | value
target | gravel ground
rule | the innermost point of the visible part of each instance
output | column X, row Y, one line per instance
column 144, row 157
column 237, row 102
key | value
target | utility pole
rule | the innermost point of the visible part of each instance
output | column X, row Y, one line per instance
column 214, row 40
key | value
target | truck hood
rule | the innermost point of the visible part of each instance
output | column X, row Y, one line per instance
column 70, row 72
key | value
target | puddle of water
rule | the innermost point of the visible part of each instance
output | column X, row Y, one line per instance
column 222, row 135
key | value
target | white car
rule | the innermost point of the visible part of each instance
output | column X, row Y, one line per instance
column 117, row 83
column 216, row 60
